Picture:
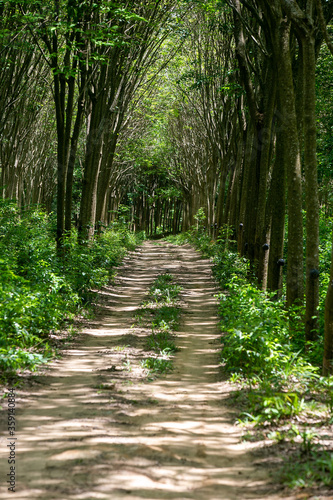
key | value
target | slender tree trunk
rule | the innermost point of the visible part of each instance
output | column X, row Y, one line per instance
column 221, row 196
column 277, row 198
column 91, row 170
column 61, row 162
column 265, row 143
column 236, row 188
column 64, row 116
column 311, row 188
column 244, row 191
column 291, row 157
column 73, row 150
column 105, row 175
column 328, row 335
column 70, row 170
column 251, row 203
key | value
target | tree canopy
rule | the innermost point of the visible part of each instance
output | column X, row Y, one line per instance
column 174, row 108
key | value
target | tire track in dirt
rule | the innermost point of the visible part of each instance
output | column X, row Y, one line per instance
column 94, row 430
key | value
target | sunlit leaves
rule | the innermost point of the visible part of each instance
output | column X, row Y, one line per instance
column 37, row 291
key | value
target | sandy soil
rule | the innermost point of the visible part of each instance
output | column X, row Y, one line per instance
column 91, row 426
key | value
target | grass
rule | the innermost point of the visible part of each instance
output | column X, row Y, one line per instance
column 160, row 313
column 157, row 365
column 164, row 290
column 313, row 469
column 163, row 320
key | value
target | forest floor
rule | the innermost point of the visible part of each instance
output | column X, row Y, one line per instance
column 92, row 426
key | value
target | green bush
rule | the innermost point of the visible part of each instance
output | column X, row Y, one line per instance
column 39, row 290
column 256, row 339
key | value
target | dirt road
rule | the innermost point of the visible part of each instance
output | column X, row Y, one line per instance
column 92, row 427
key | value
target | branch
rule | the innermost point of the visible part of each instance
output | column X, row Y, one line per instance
column 243, row 64
column 37, row 41
column 254, row 12
column 293, row 10
column 247, row 26
column 13, row 39
column 322, row 24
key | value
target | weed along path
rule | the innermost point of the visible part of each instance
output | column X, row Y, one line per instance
column 91, row 426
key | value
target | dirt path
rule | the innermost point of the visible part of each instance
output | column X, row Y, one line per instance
column 91, row 427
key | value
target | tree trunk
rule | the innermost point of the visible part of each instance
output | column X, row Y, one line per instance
column 73, row 150
column 328, row 335
column 251, row 202
column 91, row 170
column 277, row 207
column 244, row 191
column 265, row 144
column 105, row 175
column 291, row 157
column 221, row 196
column 311, row 188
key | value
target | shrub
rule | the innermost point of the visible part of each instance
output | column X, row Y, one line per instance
column 39, row 290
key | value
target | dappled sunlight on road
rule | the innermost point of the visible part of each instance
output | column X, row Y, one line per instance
column 92, row 427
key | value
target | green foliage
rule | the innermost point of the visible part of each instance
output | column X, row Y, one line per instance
column 160, row 365
column 38, row 290
column 257, row 341
column 166, row 317
column 90, row 267
column 325, row 385
column 197, row 237
column 200, row 217
column 274, row 406
column 122, row 219
column 163, row 321
column 312, row 469
column 161, row 314
column 163, row 290
column 227, row 264
column 178, row 239
column 16, row 358
column 161, row 341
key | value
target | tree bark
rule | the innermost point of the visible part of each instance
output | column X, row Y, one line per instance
column 291, row 157
column 328, row 334
column 277, row 208
column 311, row 187
column 91, row 170
column 265, row 144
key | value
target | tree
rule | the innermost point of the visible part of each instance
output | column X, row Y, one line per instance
column 24, row 122
column 141, row 29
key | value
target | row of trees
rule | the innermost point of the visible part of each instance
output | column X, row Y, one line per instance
column 242, row 135
column 70, row 71
column 265, row 163
column 168, row 106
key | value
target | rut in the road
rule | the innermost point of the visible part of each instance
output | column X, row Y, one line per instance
column 93, row 431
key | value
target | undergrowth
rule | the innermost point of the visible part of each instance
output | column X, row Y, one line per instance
column 160, row 313
column 40, row 291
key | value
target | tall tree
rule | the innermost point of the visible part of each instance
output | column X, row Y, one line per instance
column 141, row 29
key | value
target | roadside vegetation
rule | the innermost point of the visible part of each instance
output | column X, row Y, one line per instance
column 40, row 291
column 159, row 117
column 160, row 313
column 282, row 396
